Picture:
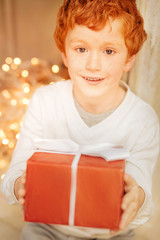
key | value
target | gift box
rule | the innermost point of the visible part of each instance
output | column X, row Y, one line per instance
column 89, row 196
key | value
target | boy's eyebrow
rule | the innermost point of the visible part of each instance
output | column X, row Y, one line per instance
column 117, row 44
column 103, row 44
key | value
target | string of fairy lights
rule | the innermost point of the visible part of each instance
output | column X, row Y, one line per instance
column 18, row 81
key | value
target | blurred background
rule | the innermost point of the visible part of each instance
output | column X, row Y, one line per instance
column 29, row 59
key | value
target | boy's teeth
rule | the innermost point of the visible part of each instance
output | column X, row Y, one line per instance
column 93, row 79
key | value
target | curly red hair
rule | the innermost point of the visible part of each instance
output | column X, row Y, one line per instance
column 95, row 14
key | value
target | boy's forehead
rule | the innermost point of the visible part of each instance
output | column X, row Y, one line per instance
column 112, row 31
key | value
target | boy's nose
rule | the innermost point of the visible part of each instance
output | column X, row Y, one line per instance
column 93, row 62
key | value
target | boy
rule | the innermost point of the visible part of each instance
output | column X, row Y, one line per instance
column 99, row 41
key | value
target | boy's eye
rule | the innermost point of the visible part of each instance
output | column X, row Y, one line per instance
column 109, row 52
column 81, row 50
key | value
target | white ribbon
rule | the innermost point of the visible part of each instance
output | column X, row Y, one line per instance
column 108, row 151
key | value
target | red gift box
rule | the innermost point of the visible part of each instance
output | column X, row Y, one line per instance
column 99, row 190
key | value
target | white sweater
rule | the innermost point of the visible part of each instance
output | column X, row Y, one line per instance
column 52, row 114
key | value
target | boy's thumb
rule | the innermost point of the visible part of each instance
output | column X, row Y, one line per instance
column 129, row 180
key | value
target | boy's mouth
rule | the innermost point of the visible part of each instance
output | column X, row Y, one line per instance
column 93, row 79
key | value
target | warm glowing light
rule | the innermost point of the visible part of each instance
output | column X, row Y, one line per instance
column 0, row 114
column 5, row 141
column 14, row 66
column 14, row 126
column 3, row 175
column 55, row 68
column 2, row 134
column 17, row 61
column 5, row 67
column 26, row 88
column 3, row 163
column 26, row 85
column 6, row 94
column 51, row 83
column 25, row 101
column 11, row 145
column 25, row 73
column 17, row 135
column 13, row 102
column 34, row 61
column 8, row 60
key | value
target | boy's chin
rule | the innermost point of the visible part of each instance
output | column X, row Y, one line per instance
column 92, row 94
column 87, row 91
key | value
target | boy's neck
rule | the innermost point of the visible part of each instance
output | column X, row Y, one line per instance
column 102, row 104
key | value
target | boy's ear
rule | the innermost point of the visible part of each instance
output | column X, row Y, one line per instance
column 64, row 58
column 129, row 63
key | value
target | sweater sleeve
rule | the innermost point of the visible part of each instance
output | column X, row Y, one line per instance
column 141, row 165
column 31, row 128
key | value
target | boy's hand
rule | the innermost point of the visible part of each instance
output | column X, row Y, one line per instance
column 19, row 189
column 131, row 202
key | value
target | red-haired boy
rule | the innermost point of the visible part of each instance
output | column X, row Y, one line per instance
column 99, row 41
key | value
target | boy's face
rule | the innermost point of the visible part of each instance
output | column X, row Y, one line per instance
column 96, row 59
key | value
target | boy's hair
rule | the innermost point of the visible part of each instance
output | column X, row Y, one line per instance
column 95, row 14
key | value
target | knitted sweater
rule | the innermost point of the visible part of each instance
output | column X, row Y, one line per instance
column 52, row 114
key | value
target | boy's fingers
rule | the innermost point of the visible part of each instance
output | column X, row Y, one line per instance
column 21, row 193
column 127, row 200
column 127, row 216
column 128, row 180
column 23, row 180
column 21, row 201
